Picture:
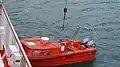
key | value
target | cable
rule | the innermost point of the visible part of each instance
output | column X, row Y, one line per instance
column 65, row 11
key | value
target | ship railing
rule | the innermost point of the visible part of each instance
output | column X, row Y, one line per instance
column 11, row 38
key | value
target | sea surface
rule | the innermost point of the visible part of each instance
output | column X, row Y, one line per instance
column 98, row 19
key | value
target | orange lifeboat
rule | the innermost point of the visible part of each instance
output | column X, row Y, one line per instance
column 43, row 52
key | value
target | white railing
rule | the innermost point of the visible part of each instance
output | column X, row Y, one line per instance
column 11, row 38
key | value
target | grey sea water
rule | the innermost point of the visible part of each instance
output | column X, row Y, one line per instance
column 99, row 20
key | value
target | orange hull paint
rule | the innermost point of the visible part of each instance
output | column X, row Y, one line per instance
column 65, row 59
column 61, row 61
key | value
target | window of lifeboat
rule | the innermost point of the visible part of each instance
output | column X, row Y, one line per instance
column 42, row 52
column 46, row 52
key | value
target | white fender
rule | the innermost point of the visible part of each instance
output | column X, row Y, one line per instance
column 62, row 48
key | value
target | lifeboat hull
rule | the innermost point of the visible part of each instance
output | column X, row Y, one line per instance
column 48, row 53
column 62, row 60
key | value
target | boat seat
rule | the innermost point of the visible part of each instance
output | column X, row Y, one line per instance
column 1, row 62
column 73, row 48
column 76, row 45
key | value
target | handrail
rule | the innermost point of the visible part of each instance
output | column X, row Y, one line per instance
column 16, row 37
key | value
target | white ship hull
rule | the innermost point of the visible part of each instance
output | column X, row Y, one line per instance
column 11, row 51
